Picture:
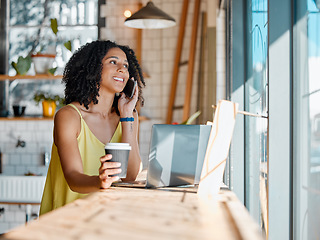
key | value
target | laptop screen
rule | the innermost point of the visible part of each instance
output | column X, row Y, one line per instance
column 176, row 154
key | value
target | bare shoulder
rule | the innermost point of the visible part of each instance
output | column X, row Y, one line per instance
column 67, row 113
column 67, row 119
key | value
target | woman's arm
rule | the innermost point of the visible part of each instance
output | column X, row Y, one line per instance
column 66, row 130
column 130, row 133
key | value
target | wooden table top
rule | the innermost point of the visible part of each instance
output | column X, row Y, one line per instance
column 132, row 213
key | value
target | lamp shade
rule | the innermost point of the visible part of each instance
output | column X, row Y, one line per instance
column 150, row 17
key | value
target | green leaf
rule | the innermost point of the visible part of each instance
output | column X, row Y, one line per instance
column 68, row 45
column 54, row 25
column 40, row 96
column 191, row 118
column 52, row 70
column 14, row 65
column 23, row 65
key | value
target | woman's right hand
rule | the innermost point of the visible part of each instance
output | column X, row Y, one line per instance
column 107, row 169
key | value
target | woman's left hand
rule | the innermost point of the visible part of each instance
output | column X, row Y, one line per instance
column 127, row 105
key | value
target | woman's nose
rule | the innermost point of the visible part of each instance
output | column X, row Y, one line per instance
column 122, row 69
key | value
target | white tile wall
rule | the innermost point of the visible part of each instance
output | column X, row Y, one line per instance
column 18, row 161
column 15, row 215
column 221, row 56
column 158, row 52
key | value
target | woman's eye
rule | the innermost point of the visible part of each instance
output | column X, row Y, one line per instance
column 113, row 61
column 126, row 65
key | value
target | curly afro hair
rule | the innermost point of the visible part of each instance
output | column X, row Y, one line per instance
column 82, row 74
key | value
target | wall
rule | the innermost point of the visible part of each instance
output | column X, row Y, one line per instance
column 19, row 161
column 158, row 52
column 15, row 215
column 221, row 55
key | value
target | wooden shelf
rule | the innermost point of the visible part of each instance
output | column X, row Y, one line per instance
column 34, row 77
column 143, row 118
column 26, row 118
column 40, row 117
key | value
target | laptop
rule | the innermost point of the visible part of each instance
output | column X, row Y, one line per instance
column 176, row 156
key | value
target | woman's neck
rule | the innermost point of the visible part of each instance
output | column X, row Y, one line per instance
column 104, row 106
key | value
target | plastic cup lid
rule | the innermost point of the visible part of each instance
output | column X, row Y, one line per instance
column 124, row 146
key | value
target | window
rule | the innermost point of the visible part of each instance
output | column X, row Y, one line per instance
column 256, row 102
column 249, row 71
column 306, row 185
column 29, row 22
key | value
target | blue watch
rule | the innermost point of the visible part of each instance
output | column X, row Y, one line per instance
column 127, row 119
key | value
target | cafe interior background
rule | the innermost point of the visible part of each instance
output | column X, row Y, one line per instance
column 242, row 54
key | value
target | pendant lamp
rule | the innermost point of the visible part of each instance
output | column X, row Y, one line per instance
column 150, row 17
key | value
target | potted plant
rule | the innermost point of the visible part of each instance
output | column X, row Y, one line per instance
column 43, row 61
column 49, row 102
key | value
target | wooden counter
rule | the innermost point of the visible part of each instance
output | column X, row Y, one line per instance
column 132, row 213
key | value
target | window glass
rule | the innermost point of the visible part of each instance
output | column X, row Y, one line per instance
column 306, row 180
column 29, row 23
column 26, row 13
column 256, row 102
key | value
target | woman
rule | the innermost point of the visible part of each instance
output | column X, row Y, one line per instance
column 95, row 115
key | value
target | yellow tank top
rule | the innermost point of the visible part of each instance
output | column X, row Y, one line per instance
column 56, row 191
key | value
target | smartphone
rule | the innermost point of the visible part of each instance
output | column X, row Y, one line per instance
column 130, row 87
